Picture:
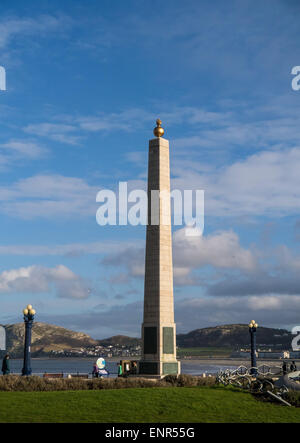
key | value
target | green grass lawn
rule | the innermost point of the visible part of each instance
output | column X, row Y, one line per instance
column 175, row 405
column 204, row 352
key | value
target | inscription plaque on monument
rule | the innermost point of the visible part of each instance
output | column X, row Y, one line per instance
column 150, row 340
column 168, row 340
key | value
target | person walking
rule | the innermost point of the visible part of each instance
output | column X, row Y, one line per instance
column 5, row 365
column 120, row 371
column 295, row 366
column 134, row 367
column 95, row 372
column 284, row 368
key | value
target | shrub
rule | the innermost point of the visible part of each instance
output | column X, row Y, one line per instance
column 185, row 380
column 35, row 383
column 292, row 397
column 206, row 381
column 171, row 379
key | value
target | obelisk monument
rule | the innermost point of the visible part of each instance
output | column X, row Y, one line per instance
column 158, row 328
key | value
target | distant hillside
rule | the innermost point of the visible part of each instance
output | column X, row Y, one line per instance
column 229, row 336
column 120, row 340
column 45, row 338
column 234, row 336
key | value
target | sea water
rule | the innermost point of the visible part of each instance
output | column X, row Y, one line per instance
column 85, row 366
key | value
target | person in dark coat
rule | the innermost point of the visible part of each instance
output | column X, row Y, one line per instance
column 120, row 370
column 293, row 366
column 95, row 371
column 284, row 368
column 5, row 365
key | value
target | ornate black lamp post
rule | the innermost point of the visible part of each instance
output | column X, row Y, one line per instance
column 252, row 329
column 28, row 319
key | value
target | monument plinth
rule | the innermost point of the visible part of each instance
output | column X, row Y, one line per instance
column 158, row 328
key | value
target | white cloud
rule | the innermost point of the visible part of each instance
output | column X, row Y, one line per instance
column 55, row 131
column 221, row 249
column 12, row 27
column 24, row 149
column 35, row 279
column 276, row 131
column 48, row 196
column 13, row 151
column 190, row 313
column 67, row 128
column 266, row 183
column 72, row 249
column 272, row 311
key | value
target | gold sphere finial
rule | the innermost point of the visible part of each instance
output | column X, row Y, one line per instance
column 158, row 131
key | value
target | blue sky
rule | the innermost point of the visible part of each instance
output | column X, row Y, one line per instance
column 86, row 81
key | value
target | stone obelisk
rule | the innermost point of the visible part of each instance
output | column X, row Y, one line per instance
column 158, row 328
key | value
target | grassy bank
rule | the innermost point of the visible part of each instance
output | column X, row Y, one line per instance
column 211, row 351
column 177, row 405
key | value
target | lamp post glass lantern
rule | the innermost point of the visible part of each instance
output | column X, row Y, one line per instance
column 252, row 329
column 28, row 313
